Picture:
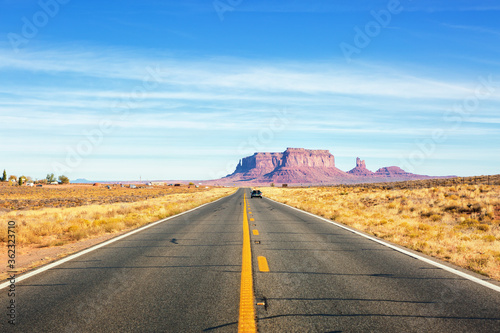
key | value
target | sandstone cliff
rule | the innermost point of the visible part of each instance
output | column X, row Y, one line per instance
column 294, row 165
column 258, row 165
column 300, row 157
column 304, row 166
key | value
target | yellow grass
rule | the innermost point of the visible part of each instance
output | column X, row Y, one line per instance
column 459, row 224
column 58, row 196
column 58, row 226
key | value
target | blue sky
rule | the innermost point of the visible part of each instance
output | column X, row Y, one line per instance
column 117, row 90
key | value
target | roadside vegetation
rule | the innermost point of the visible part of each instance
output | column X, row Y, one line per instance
column 25, row 180
column 458, row 223
column 64, row 196
column 48, row 217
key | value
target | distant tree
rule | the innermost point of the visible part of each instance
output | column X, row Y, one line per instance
column 29, row 179
column 4, row 177
column 272, row 184
column 191, row 184
column 22, row 180
column 12, row 177
column 63, row 179
column 51, row 178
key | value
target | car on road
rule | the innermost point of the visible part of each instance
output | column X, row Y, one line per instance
column 256, row 194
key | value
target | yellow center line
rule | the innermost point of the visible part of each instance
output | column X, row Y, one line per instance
column 246, row 322
column 255, row 232
column 263, row 266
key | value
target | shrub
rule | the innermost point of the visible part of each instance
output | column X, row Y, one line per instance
column 423, row 227
column 404, row 225
column 73, row 228
column 77, row 235
column 436, row 217
column 477, row 262
column 420, row 246
column 483, row 227
column 451, row 208
column 489, row 238
column 382, row 222
column 469, row 222
column 426, row 214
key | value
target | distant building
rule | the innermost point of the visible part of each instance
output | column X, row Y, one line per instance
column 54, row 183
column 157, row 183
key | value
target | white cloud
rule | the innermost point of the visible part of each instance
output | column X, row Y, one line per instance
column 65, row 92
column 227, row 78
column 478, row 29
column 484, row 120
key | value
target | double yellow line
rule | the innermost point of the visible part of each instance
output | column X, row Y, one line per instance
column 246, row 322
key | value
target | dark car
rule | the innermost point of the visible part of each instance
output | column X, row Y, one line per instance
column 256, row 194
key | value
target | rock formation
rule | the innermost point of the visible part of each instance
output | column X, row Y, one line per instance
column 258, row 164
column 394, row 173
column 360, row 169
column 294, row 165
column 391, row 171
column 360, row 163
column 304, row 166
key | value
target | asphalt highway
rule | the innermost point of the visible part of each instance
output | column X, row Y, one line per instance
column 184, row 275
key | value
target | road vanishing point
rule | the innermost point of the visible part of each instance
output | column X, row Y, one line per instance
column 251, row 265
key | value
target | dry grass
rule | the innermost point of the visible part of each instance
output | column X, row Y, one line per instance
column 459, row 224
column 45, row 227
column 23, row 197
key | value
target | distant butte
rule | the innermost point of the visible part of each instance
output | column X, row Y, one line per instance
column 360, row 169
column 306, row 166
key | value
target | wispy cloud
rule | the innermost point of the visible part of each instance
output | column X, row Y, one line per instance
column 451, row 6
column 220, row 76
column 346, row 6
column 478, row 29
column 67, row 91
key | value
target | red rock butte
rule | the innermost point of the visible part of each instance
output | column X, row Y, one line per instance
column 307, row 166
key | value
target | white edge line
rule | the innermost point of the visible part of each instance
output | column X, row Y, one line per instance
column 93, row 248
column 416, row 256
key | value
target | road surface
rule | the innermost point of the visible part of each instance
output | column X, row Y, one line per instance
column 184, row 275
